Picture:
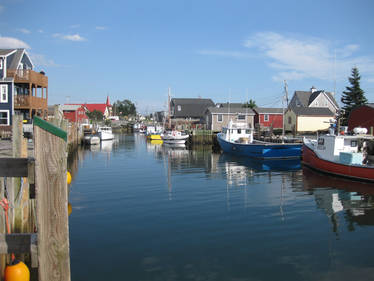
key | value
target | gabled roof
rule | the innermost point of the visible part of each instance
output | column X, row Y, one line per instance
column 268, row 110
column 231, row 104
column 7, row 52
column 312, row 111
column 231, row 110
column 96, row 106
column 370, row 105
column 70, row 107
column 191, row 107
column 306, row 98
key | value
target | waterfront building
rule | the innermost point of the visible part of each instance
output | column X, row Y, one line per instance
column 362, row 116
column 217, row 117
column 22, row 90
column 310, row 111
column 267, row 118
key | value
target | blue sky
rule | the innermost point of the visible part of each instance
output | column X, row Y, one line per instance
column 224, row 50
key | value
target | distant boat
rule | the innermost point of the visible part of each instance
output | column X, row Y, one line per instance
column 175, row 137
column 237, row 138
column 340, row 155
column 91, row 139
column 105, row 133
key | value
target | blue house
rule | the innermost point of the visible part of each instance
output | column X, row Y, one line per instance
column 22, row 90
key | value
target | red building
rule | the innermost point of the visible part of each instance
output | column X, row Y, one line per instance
column 74, row 113
column 268, row 117
column 362, row 116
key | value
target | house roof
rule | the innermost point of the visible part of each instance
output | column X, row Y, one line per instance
column 370, row 105
column 313, row 111
column 183, row 101
column 6, row 52
column 231, row 110
column 96, row 106
column 191, row 107
column 306, row 98
column 70, row 107
column 227, row 104
column 268, row 110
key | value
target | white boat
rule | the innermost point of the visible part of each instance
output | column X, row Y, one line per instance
column 175, row 137
column 341, row 155
column 91, row 139
column 105, row 133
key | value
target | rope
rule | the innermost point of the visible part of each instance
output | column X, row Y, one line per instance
column 5, row 204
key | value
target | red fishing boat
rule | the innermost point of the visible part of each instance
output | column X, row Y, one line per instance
column 341, row 155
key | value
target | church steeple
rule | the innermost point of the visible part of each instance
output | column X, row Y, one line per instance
column 107, row 101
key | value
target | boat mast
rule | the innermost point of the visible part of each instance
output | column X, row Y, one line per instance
column 285, row 98
column 169, row 108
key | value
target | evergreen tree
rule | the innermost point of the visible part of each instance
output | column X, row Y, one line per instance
column 352, row 97
column 250, row 104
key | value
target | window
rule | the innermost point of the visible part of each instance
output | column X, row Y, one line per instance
column 266, row 117
column 179, row 108
column 4, row 117
column 321, row 141
column 241, row 117
column 1, row 63
column 239, row 131
column 289, row 120
column 3, row 93
column 219, row 118
column 353, row 143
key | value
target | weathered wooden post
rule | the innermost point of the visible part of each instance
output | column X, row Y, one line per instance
column 52, row 200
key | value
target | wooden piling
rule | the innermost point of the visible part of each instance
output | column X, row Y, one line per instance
column 52, row 200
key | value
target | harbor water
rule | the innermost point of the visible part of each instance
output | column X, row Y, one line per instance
column 147, row 211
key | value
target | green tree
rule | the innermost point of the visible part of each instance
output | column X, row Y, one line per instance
column 124, row 108
column 250, row 104
column 352, row 97
column 95, row 115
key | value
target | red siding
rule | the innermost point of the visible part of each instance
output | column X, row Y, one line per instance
column 362, row 116
column 76, row 116
column 274, row 119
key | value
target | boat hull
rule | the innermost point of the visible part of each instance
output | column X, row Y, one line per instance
column 261, row 150
column 311, row 159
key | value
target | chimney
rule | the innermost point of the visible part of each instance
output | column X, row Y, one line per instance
column 313, row 89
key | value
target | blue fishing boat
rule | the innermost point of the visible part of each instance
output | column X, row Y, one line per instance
column 237, row 139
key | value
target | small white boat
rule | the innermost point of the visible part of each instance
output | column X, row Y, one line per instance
column 91, row 139
column 105, row 133
column 175, row 137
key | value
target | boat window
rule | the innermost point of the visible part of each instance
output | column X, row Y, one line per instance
column 224, row 130
column 353, row 143
column 239, row 131
column 241, row 117
column 247, row 131
column 321, row 141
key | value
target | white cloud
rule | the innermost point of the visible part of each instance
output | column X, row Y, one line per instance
column 24, row 30
column 297, row 58
column 40, row 30
column 74, row 26
column 71, row 37
column 41, row 61
column 101, row 28
column 12, row 43
column 232, row 54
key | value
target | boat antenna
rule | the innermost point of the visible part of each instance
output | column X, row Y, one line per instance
column 169, row 108
column 228, row 108
column 285, row 98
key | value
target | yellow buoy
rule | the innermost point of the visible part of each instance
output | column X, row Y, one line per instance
column 17, row 271
column 68, row 177
column 70, row 209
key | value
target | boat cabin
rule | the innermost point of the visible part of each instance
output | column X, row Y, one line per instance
column 343, row 149
column 238, row 132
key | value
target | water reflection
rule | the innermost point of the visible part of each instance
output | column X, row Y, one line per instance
column 336, row 195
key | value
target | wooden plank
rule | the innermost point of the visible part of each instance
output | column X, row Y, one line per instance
column 17, row 243
column 52, row 200
column 14, row 167
column 50, row 128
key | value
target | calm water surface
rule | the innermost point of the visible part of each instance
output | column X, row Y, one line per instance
column 143, row 211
